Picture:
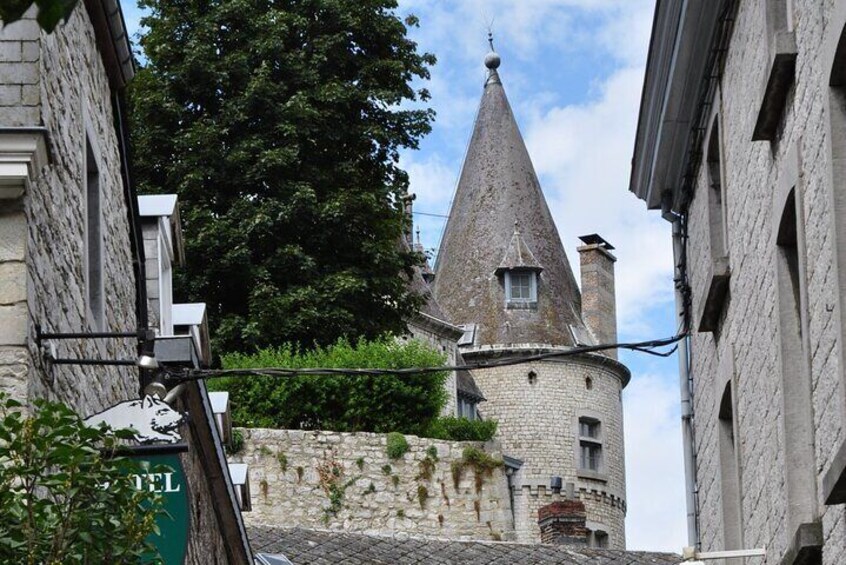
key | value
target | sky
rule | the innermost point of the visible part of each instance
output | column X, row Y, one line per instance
column 573, row 72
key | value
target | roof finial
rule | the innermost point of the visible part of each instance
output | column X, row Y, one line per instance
column 492, row 59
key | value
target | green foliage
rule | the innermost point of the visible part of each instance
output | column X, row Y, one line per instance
column 462, row 429
column 54, row 507
column 279, row 125
column 400, row 513
column 370, row 489
column 237, row 443
column 283, row 461
column 330, row 475
column 478, row 460
column 422, row 495
column 397, row 445
column 386, row 469
column 359, row 463
column 395, row 480
column 300, row 472
column 427, row 465
column 50, row 12
column 432, row 453
column 345, row 403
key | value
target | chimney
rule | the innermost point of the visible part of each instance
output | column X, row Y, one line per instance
column 563, row 523
column 408, row 203
column 599, row 308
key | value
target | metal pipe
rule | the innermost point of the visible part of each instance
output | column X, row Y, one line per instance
column 684, row 387
column 124, row 362
column 174, row 393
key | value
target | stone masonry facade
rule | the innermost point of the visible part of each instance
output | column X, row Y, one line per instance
column 538, row 407
column 57, row 85
column 379, row 495
column 744, row 351
column 63, row 88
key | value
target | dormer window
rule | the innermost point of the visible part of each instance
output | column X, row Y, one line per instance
column 521, row 287
column 519, row 270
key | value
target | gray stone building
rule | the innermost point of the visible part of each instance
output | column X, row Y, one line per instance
column 72, row 253
column 503, row 276
column 741, row 144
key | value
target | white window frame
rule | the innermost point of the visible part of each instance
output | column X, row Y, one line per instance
column 533, row 288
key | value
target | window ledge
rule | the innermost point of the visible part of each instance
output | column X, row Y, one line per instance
column 592, row 475
column 805, row 547
column 711, row 307
column 23, row 152
column 779, row 82
column 513, row 305
column 834, row 481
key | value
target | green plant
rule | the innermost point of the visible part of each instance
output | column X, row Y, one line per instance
column 457, row 469
column 53, row 506
column 400, row 513
column 441, row 520
column 344, row 403
column 395, row 480
column 386, row 469
column 265, row 451
column 360, row 463
column 300, row 472
column 427, row 465
column 370, row 489
column 237, row 442
column 461, row 429
column 397, row 445
column 422, row 495
column 283, row 461
column 330, row 477
column 50, row 12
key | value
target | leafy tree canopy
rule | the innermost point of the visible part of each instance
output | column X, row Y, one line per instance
column 61, row 500
column 50, row 12
column 407, row 404
column 279, row 125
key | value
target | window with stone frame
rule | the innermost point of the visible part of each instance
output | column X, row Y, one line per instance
column 93, row 238
column 590, row 444
column 780, row 42
column 521, row 287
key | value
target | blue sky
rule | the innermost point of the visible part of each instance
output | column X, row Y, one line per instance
column 573, row 71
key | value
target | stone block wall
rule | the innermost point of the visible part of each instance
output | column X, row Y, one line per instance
column 745, row 349
column 538, row 424
column 378, row 495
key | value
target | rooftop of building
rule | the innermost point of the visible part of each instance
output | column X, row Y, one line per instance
column 324, row 547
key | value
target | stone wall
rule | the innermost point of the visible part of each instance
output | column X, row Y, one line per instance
column 746, row 349
column 538, row 424
column 378, row 494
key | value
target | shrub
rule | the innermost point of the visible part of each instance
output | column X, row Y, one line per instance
column 53, row 507
column 397, row 445
column 344, row 403
column 462, row 429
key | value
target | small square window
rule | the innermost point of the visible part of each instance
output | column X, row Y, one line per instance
column 521, row 287
column 589, row 428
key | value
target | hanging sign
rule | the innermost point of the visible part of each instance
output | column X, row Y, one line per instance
column 156, row 427
column 167, row 478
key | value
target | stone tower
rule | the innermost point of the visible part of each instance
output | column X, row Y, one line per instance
column 503, row 275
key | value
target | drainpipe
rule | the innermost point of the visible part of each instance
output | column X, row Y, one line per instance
column 679, row 260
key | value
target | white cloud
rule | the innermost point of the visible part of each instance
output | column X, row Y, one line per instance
column 582, row 154
column 655, row 496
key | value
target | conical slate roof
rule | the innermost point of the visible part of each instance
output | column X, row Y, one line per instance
column 498, row 187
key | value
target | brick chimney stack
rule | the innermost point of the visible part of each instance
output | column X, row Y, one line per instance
column 599, row 305
column 408, row 204
column 563, row 523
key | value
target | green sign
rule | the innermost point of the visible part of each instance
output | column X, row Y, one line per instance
column 167, row 477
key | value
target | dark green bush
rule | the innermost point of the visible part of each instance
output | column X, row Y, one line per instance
column 345, row 403
column 462, row 429
column 397, row 445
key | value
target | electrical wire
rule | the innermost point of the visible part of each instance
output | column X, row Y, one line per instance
column 172, row 375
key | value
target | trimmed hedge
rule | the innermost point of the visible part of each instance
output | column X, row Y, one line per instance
column 462, row 429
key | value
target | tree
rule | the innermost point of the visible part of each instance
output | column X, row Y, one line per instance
column 345, row 403
column 50, row 12
column 61, row 499
column 279, row 125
